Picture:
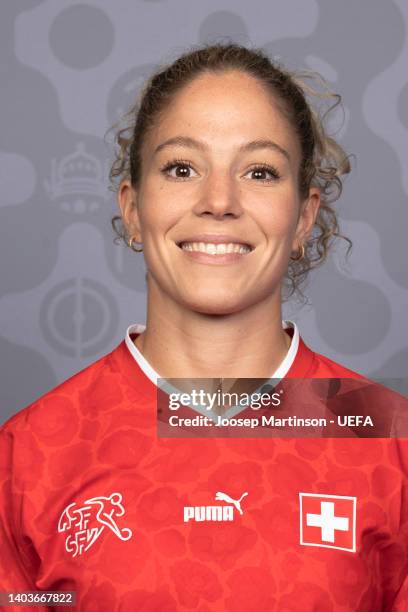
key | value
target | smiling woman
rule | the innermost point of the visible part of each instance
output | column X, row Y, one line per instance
column 321, row 160
column 225, row 180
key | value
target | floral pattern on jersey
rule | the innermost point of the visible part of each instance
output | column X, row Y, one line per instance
column 102, row 439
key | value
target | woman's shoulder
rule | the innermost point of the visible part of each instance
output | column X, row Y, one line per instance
column 311, row 364
column 57, row 406
column 328, row 368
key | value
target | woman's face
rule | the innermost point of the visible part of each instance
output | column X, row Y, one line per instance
column 219, row 173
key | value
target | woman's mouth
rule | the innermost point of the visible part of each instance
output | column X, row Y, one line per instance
column 215, row 249
column 218, row 253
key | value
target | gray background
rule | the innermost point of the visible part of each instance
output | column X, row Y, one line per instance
column 70, row 69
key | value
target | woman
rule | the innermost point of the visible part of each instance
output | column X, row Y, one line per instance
column 225, row 182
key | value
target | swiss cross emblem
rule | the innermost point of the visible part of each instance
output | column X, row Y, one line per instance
column 328, row 521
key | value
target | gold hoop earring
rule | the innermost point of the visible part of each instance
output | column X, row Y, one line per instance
column 130, row 245
column 300, row 254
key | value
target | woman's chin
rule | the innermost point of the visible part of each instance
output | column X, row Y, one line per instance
column 216, row 306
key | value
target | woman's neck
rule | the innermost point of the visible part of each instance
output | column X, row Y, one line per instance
column 181, row 343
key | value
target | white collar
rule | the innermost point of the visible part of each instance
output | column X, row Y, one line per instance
column 145, row 366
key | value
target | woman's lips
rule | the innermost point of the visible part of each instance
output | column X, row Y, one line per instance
column 215, row 248
column 217, row 253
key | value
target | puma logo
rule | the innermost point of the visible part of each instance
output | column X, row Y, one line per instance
column 236, row 502
column 214, row 513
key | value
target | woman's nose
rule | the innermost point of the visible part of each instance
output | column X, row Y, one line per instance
column 219, row 197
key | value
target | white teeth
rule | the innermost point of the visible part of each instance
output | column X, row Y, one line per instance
column 215, row 249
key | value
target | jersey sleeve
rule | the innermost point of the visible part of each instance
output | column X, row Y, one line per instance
column 400, row 603
column 400, row 595
column 18, row 559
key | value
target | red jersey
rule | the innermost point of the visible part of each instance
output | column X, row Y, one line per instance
column 92, row 501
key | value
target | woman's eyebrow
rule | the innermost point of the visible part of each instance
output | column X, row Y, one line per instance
column 264, row 143
column 253, row 145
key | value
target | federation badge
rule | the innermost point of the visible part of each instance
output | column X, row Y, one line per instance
column 84, row 524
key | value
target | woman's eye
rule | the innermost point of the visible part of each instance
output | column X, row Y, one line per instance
column 264, row 173
column 178, row 170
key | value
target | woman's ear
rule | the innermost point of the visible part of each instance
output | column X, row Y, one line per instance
column 307, row 217
column 127, row 202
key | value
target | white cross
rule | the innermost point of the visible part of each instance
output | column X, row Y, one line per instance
column 327, row 522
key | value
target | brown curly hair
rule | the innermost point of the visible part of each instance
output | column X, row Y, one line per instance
column 323, row 160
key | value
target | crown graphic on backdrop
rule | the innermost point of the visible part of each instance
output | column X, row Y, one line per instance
column 78, row 181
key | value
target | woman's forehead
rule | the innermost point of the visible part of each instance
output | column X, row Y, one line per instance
column 224, row 96
column 225, row 110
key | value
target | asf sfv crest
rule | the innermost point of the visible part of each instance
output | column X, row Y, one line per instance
column 214, row 513
column 84, row 524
